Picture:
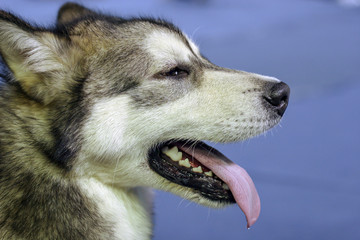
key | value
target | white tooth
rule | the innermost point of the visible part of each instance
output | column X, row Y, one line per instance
column 225, row 186
column 172, row 153
column 197, row 170
column 209, row 173
column 185, row 163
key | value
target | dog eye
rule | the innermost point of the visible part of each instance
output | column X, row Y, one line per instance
column 176, row 73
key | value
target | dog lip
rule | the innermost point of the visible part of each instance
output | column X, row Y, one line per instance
column 211, row 188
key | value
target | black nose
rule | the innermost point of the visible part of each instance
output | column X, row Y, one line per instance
column 278, row 96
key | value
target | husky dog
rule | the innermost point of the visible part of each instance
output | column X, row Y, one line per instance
column 99, row 109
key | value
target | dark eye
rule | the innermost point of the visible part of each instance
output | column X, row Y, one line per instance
column 177, row 73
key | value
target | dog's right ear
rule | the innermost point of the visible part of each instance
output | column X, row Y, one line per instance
column 71, row 11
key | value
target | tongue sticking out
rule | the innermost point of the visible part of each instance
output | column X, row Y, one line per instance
column 238, row 180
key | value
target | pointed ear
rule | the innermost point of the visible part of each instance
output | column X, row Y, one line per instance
column 37, row 58
column 72, row 11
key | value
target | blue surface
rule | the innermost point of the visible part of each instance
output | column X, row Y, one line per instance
column 307, row 171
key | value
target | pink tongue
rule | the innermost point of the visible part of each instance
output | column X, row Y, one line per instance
column 238, row 180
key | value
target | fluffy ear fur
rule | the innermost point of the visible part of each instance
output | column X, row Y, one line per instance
column 72, row 11
column 39, row 59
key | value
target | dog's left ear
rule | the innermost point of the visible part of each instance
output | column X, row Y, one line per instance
column 39, row 59
column 72, row 11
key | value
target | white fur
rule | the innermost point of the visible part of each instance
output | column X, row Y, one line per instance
column 270, row 79
column 193, row 46
column 173, row 50
column 111, row 115
column 118, row 135
column 131, row 218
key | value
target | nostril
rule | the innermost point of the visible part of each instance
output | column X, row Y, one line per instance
column 278, row 97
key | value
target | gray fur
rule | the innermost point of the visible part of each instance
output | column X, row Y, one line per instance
column 56, row 93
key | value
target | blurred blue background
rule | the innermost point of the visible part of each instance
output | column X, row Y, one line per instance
column 307, row 171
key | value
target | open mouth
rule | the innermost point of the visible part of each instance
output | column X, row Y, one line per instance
column 207, row 171
column 182, row 168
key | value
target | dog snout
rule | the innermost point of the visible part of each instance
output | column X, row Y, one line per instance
column 277, row 95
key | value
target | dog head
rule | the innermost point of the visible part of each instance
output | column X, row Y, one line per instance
column 134, row 98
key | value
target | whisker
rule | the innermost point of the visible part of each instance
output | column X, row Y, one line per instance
column 182, row 200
